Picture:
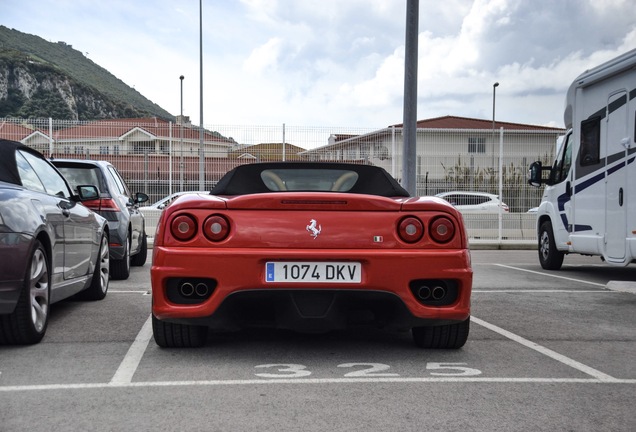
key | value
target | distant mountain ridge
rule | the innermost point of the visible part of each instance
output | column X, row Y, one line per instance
column 51, row 79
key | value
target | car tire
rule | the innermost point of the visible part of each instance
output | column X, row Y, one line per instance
column 101, row 276
column 170, row 335
column 449, row 336
column 120, row 269
column 549, row 256
column 139, row 259
column 29, row 320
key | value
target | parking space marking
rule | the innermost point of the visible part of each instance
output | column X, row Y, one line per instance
column 127, row 292
column 397, row 380
column 127, row 368
column 551, row 275
column 534, row 291
column 129, row 364
column 546, row 351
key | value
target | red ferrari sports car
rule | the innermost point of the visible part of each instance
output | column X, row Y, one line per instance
column 313, row 247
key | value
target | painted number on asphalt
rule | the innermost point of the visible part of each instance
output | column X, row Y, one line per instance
column 367, row 370
column 452, row 369
column 284, row 371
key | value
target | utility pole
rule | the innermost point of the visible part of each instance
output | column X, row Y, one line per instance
column 409, row 127
column 181, row 139
column 201, row 150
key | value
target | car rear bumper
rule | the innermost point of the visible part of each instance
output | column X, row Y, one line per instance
column 239, row 292
column 14, row 254
column 117, row 240
column 9, row 294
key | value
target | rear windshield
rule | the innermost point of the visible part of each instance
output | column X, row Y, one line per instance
column 309, row 180
column 308, row 176
column 82, row 176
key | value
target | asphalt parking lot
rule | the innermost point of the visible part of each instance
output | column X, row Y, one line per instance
column 547, row 351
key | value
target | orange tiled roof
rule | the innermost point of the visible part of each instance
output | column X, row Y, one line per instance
column 16, row 132
column 454, row 122
column 267, row 151
column 115, row 128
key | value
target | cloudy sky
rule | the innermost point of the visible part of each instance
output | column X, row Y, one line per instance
column 340, row 62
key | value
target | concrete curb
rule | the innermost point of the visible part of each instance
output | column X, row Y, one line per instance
column 622, row 286
column 504, row 245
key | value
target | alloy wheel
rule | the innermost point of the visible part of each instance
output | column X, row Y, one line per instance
column 39, row 290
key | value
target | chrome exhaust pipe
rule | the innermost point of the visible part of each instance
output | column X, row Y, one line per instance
column 201, row 290
column 439, row 293
column 186, row 289
column 424, row 293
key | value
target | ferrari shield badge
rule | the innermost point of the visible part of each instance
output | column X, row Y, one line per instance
column 313, row 228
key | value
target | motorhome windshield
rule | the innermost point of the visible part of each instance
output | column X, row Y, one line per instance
column 563, row 162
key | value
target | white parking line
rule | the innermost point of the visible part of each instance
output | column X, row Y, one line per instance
column 231, row 382
column 129, row 364
column 551, row 275
column 547, row 291
column 545, row 351
column 127, row 292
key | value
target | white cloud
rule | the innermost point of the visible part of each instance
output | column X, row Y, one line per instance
column 328, row 62
column 264, row 56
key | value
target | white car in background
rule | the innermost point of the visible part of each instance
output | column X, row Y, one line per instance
column 474, row 202
column 153, row 211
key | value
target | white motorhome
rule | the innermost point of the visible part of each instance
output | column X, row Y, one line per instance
column 589, row 203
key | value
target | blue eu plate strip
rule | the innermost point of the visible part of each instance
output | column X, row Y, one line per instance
column 269, row 272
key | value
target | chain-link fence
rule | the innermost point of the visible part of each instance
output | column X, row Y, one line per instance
column 159, row 157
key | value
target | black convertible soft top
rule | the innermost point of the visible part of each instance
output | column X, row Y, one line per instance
column 308, row 176
column 8, row 166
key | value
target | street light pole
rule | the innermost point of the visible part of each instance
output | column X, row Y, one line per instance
column 500, row 168
column 181, row 138
column 494, row 87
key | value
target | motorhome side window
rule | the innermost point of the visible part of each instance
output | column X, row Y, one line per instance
column 590, row 142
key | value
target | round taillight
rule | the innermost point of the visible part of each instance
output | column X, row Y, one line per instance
column 442, row 230
column 216, row 228
column 183, row 227
column 410, row 229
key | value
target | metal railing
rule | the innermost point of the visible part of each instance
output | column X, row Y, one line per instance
column 159, row 157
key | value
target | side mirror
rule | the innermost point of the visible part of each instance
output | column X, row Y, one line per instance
column 87, row 192
column 534, row 174
column 141, row 197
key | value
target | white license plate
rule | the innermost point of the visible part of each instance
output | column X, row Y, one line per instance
column 319, row 272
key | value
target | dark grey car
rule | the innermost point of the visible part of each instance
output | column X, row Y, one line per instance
column 128, row 242
column 51, row 246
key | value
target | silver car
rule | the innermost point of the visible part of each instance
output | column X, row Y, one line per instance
column 51, row 246
column 474, row 202
column 152, row 211
column 128, row 243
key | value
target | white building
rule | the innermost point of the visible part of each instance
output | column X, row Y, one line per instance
column 452, row 152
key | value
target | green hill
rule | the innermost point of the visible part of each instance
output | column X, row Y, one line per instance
column 82, row 90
